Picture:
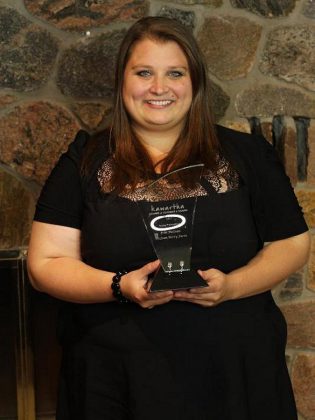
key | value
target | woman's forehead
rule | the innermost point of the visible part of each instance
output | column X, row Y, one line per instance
column 154, row 49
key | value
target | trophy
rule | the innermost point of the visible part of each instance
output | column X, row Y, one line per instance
column 168, row 211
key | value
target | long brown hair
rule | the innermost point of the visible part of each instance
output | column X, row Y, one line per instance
column 196, row 143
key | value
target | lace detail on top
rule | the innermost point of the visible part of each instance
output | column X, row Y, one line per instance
column 224, row 180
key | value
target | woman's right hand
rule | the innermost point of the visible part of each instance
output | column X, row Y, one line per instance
column 134, row 286
column 55, row 267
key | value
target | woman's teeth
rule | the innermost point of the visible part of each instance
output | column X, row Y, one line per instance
column 159, row 103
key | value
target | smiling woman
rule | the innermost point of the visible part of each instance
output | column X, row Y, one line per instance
column 217, row 351
column 157, row 93
column 159, row 60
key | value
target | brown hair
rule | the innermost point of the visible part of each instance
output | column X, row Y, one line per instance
column 196, row 143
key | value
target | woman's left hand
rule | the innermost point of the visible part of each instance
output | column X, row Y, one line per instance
column 218, row 290
column 260, row 274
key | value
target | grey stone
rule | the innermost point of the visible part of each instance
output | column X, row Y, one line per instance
column 16, row 211
column 268, row 100
column 292, row 288
column 220, row 101
column 11, row 24
column 187, row 18
column 78, row 15
column 266, row 8
column 88, row 69
column 309, row 9
column 27, row 53
column 289, row 55
column 229, row 45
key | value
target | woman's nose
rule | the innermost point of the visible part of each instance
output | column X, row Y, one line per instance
column 159, row 85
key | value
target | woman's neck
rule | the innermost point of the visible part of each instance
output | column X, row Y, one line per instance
column 157, row 143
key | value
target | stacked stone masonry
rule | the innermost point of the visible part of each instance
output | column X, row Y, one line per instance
column 57, row 73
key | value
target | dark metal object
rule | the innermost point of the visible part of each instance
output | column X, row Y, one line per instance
column 255, row 126
column 302, row 124
column 15, row 262
column 278, row 131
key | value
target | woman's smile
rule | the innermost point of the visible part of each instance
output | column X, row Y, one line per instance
column 160, row 104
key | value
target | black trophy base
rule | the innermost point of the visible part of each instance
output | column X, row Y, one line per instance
column 162, row 281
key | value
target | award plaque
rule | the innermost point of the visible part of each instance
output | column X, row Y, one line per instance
column 168, row 211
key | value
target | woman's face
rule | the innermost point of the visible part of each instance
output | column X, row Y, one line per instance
column 157, row 88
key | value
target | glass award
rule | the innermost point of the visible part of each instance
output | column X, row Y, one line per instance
column 168, row 212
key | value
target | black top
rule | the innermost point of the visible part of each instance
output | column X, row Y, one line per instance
column 230, row 228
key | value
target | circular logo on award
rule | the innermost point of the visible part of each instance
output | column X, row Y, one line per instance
column 165, row 223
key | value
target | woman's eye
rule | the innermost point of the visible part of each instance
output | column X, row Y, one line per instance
column 144, row 73
column 175, row 74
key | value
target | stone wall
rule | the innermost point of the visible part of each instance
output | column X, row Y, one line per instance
column 56, row 75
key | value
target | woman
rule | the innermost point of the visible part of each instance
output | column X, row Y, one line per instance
column 215, row 352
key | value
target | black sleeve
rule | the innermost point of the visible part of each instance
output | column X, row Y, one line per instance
column 283, row 216
column 61, row 199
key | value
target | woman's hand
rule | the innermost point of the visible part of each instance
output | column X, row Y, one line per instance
column 134, row 286
column 218, row 290
column 55, row 267
column 273, row 263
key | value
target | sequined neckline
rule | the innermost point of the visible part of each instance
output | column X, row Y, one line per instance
column 224, row 180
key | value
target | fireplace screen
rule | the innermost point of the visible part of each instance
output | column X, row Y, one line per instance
column 29, row 353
